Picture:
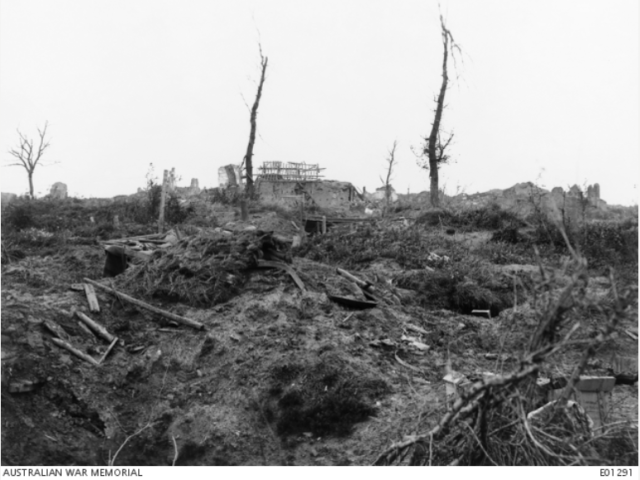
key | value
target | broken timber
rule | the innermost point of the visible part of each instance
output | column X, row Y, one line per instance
column 113, row 344
column 76, row 352
column 292, row 273
column 352, row 302
column 146, row 306
column 95, row 327
column 89, row 291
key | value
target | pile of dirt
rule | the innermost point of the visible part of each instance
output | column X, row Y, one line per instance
column 205, row 269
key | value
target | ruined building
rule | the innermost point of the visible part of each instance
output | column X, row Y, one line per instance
column 290, row 183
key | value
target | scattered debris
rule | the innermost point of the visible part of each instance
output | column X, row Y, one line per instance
column 146, row 306
column 106, row 353
column 292, row 273
column 405, row 364
column 352, row 302
column 76, row 352
column 95, row 327
column 23, row 386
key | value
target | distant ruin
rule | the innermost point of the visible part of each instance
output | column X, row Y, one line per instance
column 58, row 191
column 289, row 184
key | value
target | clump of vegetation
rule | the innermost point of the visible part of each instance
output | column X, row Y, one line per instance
column 490, row 217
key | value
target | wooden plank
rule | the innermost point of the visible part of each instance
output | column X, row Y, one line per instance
column 90, row 292
column 134, row 239
column 75, row 351
column 146, row 306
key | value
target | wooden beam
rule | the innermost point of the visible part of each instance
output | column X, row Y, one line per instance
column 89, row 291
column 75, row 351
column 95, row 327
column 146, row 306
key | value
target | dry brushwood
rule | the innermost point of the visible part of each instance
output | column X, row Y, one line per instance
column 490, row 424
column 205, row 269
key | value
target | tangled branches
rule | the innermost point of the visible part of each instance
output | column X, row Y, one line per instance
column 505, row 419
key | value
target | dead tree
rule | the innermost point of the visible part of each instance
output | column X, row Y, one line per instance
column 28, row 155
column 248, row 157
column 435, row 148
column 391, row 163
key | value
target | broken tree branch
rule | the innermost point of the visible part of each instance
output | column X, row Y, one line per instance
column 146, row 306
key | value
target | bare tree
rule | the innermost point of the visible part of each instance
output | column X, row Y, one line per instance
column 435, row 147
column 248, row 157
column 386, row 182
column 28, row 155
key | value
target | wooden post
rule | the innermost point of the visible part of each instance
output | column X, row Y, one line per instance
column 163, row 196
column 302, row 211
column 324, row 224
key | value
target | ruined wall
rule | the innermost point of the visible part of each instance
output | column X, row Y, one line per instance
column 230, row 176
column 58, row 191
column 7, row 198
column 325, row 194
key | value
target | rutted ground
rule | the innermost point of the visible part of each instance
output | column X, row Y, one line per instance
column 279, row 376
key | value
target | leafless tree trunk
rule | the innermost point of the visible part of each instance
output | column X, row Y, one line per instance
column 391, row 163
column 435, row 148
column 248, row 157
column 28, row 155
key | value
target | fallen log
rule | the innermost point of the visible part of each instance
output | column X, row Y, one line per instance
column 90, row 292
column 76, row 352
column 146, row 306
column 95, row 327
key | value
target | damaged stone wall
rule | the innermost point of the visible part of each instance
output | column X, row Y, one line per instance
column 329, row 194
column 230, row 176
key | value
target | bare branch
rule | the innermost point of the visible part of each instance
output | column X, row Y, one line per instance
column 27, row 157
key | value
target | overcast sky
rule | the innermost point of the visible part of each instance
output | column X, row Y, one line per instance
column 547, row 90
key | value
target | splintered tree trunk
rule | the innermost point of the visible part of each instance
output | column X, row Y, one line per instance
column 435, row 128
column 31, row 184
column 252, row 135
